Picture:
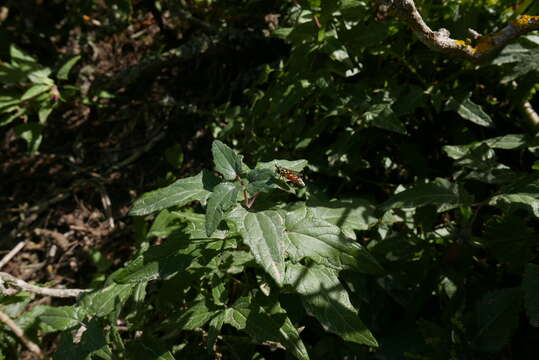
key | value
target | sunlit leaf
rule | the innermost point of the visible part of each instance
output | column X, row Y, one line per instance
column 226, row 161
column 348, row 214
column 181, row 192
column 32, row 133
column 325, row 298
column 160, row 261
column 195, row 315
column 104, row 301
column 438, row 192
column 523, row 197
column 264, row 233
column 63, row 317
column 223, row 197
column 470, row 111
column 266, row 321
column 325, row 244
column 63, row 72
column 35, row 91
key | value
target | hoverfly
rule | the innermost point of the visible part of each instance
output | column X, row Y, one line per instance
column 291, row 175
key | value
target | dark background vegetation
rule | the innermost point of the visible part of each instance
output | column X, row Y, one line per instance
column 364, row 102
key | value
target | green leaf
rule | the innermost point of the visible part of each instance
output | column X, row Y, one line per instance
column 282, row 32
column 226, row 161
column 148, row 348
column 164, row 224
column 139, row 292
column 497, row 318
column 325, row 298
column 94, row 342
column 260, row 180
column 8, row 98
column 438, row 192
column 530, row 286
column 63, row 73
column 223, row 197
column 234, row 262
column 40, row 76
column 411, row 98
column 104, row 301
column 92, row 345
column 35, row 91
column 219, row 290
column 509, row 246
column 456, row 151
column 32, row 134
column 325, row 244
column 195, row 316
column 15, row 304
column 29, row 317
column 348, row 214
column 264, row 233
column 63, row 317
column 214, row 329
column 174, row 156
column 160, row 262
column 19, row 56
column 181, row 192
column 381, row 115
column 196, row 225
column 43, row 114
column 266, row 321
column 235, row 317
column 10, row 74
column 524, row 57
column 523, row 197
column 67, row 349
column 506, row 142
column 295, row 165
column 9, row 118
column 470, row 111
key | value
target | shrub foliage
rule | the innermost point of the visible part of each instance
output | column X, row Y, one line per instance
column 412, row 233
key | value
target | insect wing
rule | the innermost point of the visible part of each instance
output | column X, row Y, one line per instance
column 296, row 179
column 293, row 176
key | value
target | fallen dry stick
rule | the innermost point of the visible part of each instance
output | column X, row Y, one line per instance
column 33, row 347
column 12, row 253
column 23, row 285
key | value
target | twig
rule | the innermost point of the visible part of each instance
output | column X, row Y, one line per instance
column 152, row 64
column 59, row 238
column 476, row 49
column 23, row 285
column 138, row 153
column 12, row 253
column 33, row 347
column 177, row 10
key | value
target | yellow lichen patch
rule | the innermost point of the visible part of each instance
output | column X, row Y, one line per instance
column 460, row 43
column 463, row 43
column 484, row 44
column 525, row 20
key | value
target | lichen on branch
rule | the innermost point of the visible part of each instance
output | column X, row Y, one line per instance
column 475, row 49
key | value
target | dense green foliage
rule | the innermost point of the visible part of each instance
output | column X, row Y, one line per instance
column 415, row 235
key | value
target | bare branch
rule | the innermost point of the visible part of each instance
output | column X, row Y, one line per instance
column 23, row 285
column 476, row 49
column 12, row 253
column 33, row 347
